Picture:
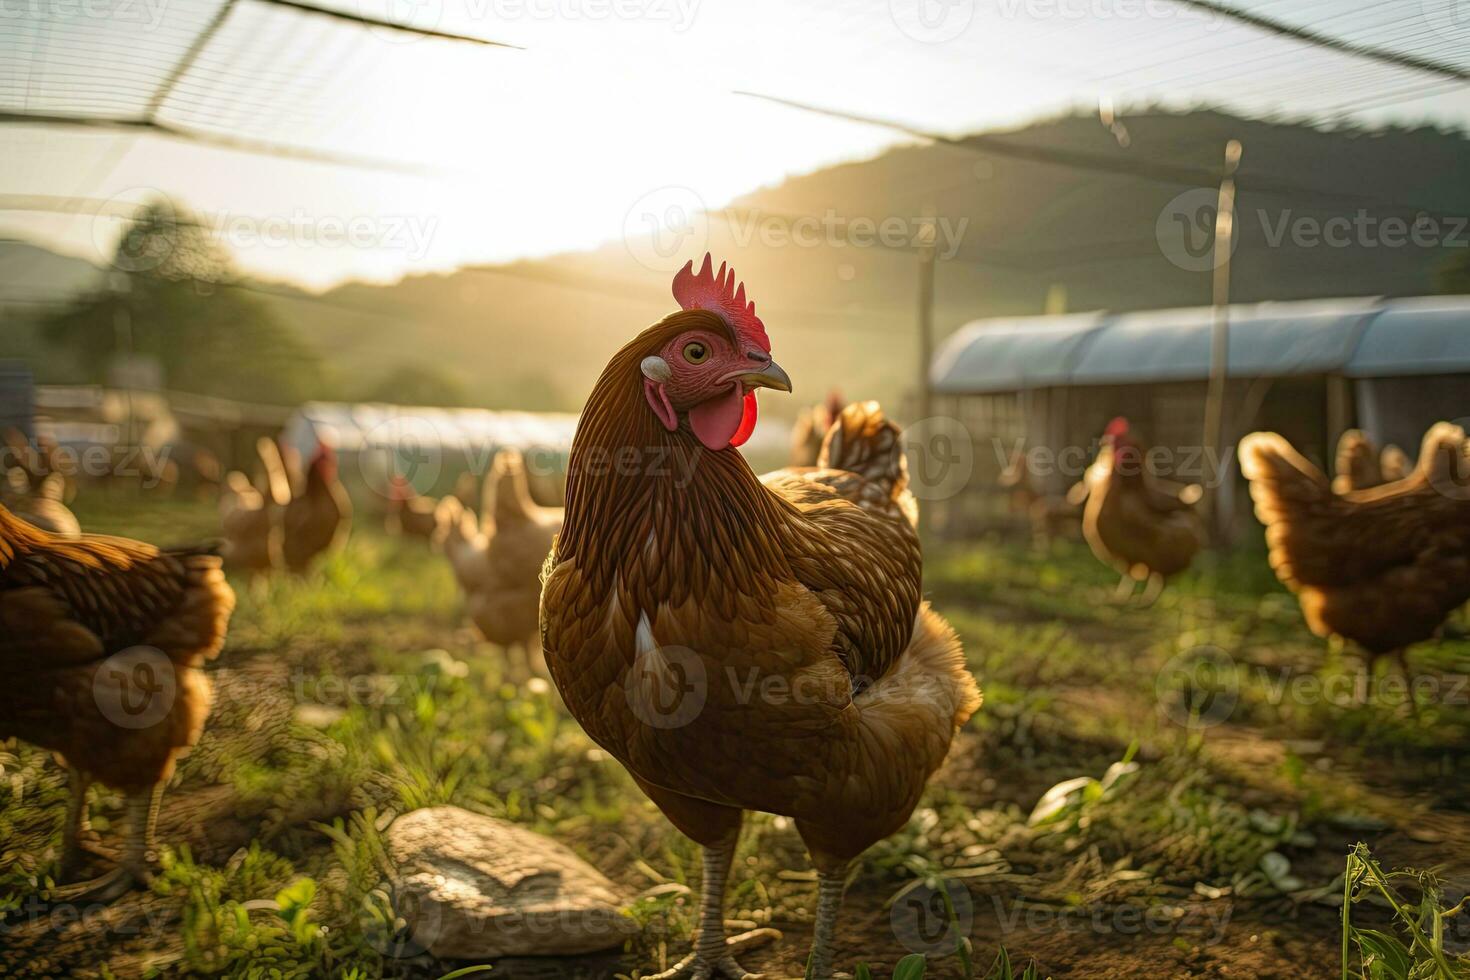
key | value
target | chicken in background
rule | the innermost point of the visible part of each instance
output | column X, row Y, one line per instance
column 1051, row 515
column 467, row 549
column 37, row 460
column 206, row 473
column 17, row 487
column 1360, row 466
column 810, row 430
column 673, row 576
column 251, row 529
column 503, row 590
column 87, row 626
column 1141, row 524
column 410, row 514
column 42, row 505
column 1382, row 567
column 317, row 517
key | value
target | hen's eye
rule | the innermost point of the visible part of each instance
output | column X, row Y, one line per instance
column 696, row 352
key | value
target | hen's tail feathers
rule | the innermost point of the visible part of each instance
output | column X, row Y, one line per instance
column 929, row 679
column 1393, row 463
column 1282, row 481
column 1444, row 460
column 864, row 441
column 1356, row 466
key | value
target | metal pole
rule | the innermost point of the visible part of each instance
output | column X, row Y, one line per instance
column 1214, row 434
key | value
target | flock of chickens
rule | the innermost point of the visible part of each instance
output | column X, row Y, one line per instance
column 665, row 580
column 1379, row 554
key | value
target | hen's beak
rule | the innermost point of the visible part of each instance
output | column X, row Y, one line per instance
column 770, row 376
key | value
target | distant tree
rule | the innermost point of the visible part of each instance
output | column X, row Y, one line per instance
column 1454, row 275
column 417, row 384
column 174, row 298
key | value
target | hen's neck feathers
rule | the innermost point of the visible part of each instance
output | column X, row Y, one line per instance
column 657, row 509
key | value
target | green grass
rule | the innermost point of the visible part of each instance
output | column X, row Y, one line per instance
column 1202, row 776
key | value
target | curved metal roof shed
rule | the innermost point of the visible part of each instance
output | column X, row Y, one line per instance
column 1020, row 352
column 1415, row 337
column 1356, row 337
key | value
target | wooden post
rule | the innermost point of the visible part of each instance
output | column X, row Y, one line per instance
column 924, row 403
column 924, row 396
column 1219, row 509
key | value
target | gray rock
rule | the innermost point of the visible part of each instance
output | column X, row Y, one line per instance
column 479, row 888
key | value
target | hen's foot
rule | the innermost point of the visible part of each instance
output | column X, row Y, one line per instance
column 697, row 967
column 108, row 888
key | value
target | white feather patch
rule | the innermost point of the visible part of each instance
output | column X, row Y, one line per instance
column 643, row 637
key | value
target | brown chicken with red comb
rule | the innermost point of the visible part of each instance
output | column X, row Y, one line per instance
column 1143, row 525
column 742, row 643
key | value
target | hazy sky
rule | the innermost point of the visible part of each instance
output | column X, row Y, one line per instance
column 615, row 114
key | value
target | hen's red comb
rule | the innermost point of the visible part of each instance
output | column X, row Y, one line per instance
column 719, row 294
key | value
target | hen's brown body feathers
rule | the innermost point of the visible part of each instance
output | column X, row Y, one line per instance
column 68, row 605
column 1382, row 566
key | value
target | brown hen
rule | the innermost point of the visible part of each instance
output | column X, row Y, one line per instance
column 1382, row 567
column 43, row 507
column 252, row 531
column 741, row 643
column 1142, row 525
column 498, row 562
column 102, row 640
column 809, row 431
column 410, row 514
column 317, row 519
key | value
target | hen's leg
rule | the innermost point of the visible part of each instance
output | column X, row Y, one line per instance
column 76, row 823
column 712, row 956
column 1124, row 591
column 142, row 826
column 829, row 902
column 133, row 870
column 716, row 829
column 1401, row 656
column 1152, row 591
